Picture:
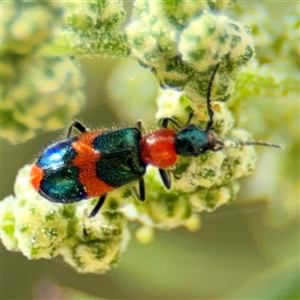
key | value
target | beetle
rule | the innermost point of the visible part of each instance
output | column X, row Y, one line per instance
column 94, row 163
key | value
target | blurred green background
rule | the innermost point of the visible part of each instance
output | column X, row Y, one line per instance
column 249, row 250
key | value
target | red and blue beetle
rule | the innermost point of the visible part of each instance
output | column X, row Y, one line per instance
column 97, row 162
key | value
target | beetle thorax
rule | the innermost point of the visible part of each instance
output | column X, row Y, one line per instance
column 158, row 148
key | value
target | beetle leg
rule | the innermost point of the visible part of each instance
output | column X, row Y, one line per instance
column 166, row 121
column 140, row 192
column 79, row 126
column 165, row 177
column 97, row 206
column 142, row 189
column 140, row 127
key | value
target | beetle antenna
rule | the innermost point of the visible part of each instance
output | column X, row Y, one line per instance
column 251, row 143
column 208, row 99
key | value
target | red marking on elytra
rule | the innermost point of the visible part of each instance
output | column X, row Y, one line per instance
column 84, row 149
column 158, row 148
column 93, row 185
column 85, row 161
column 35, row 177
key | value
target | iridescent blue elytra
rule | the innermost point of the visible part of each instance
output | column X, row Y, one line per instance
column 89, row 164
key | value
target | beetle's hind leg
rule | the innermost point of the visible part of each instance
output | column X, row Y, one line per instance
column 97, row 206
column 140, row 193
column 77, row 125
